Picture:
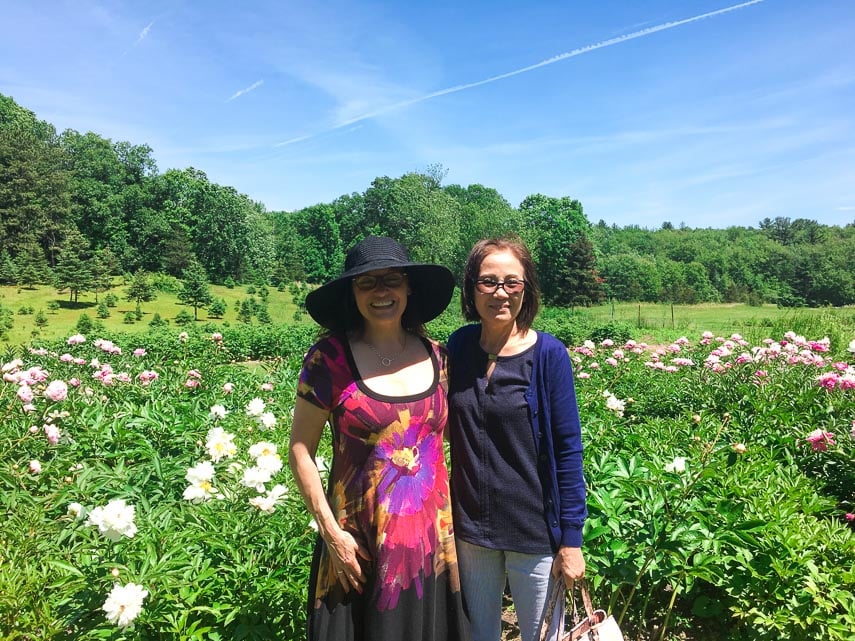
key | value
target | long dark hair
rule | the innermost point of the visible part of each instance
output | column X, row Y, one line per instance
column 483, row 248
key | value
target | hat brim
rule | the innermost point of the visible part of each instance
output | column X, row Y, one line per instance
column 432, row 287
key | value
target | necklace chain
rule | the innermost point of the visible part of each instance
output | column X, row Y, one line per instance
column 386, row 361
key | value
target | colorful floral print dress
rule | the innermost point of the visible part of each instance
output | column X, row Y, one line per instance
column 388, row 487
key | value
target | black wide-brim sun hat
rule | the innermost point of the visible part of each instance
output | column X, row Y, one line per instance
column 432, row 285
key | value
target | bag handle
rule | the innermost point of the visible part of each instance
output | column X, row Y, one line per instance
column 580, row 627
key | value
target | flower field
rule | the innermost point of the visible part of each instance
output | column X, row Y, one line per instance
column 145, row 497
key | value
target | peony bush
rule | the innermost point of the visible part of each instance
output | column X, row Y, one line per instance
column 145, row 494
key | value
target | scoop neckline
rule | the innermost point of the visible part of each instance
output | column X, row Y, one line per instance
column 363, row 387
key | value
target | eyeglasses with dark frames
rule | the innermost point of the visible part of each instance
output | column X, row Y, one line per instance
column 490, row 285
column 367, row 282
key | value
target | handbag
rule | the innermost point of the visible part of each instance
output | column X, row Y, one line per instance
column 596, row 625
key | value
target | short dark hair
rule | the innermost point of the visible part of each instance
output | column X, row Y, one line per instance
column 480, row 251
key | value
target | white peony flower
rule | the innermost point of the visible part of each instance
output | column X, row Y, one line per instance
column 256, row 477
column 75, row 509
column 270, row 462
column 204, row 491
column 262, row 448
column 255, row 407
column 124, row 604
column 852, row 346
column 200, row 473
column 615, row 404
column 267, row 420
column 268, row 502
column 677, row 465
column 115, row 520
column 219, row 444
column 218, row 411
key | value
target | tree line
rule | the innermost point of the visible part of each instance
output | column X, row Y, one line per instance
column 76, row 209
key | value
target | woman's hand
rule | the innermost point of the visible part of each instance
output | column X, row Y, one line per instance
column 569, row 564
column 345, row 553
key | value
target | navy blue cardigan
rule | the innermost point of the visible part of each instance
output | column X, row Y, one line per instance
column 557, row 433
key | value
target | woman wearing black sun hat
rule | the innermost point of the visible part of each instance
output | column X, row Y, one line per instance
column 385, row 563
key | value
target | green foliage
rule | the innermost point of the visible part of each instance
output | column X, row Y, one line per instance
column 85, row 324
column 742, row 544
column 141, row 289
column 74, row 266
column 130, row 318
column 26, row 310
column 110, row 300
column 103, row 310
column 183, row 317
column 165, row 283
column 754, row 518
column 156, row 321
column 217, row 308
column 41, row 319
column 53, row 306
column 7, row 321
column 263, row 315
column 194, row 288
column 229, row 282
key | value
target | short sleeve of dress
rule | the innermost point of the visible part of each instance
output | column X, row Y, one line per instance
column 315, row 383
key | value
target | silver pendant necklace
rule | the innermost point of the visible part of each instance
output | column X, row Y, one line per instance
column 386, row 361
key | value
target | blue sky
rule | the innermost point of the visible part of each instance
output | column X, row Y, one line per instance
column 700, row 112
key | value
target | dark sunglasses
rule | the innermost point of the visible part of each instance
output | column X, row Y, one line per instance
column 367, row 282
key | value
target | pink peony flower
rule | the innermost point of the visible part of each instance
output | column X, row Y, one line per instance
column 147, row 376
column 25, row 394
column 66, row 358
column 77, row 339
column 820, row 440
column 217, row 337
column 228, row 388
column 139, row 351
column 267, row 387
column 52, row 433
column 57, row 391
column 849, row 516
column 35, row 467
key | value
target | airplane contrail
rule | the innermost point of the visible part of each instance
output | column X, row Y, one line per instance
column 255, row 85
column 543, row 63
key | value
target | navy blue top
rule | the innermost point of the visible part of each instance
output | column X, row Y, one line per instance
column 510, row 489
column 500, row 496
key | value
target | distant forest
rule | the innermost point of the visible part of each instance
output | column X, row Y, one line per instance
column 76, row 209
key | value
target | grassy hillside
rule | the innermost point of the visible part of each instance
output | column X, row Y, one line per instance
column 651, row 321
column 61, row 322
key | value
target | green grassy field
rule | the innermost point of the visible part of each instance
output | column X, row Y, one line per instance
column 653, row 321
column 62, row 321
column 715, row 317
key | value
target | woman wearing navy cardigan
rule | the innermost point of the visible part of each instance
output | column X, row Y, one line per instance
column 517, row 488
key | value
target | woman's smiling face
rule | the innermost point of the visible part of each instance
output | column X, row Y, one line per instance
column 500, row 307
column 381, row 296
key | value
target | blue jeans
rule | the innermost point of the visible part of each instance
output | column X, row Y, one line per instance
column 482, row 577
